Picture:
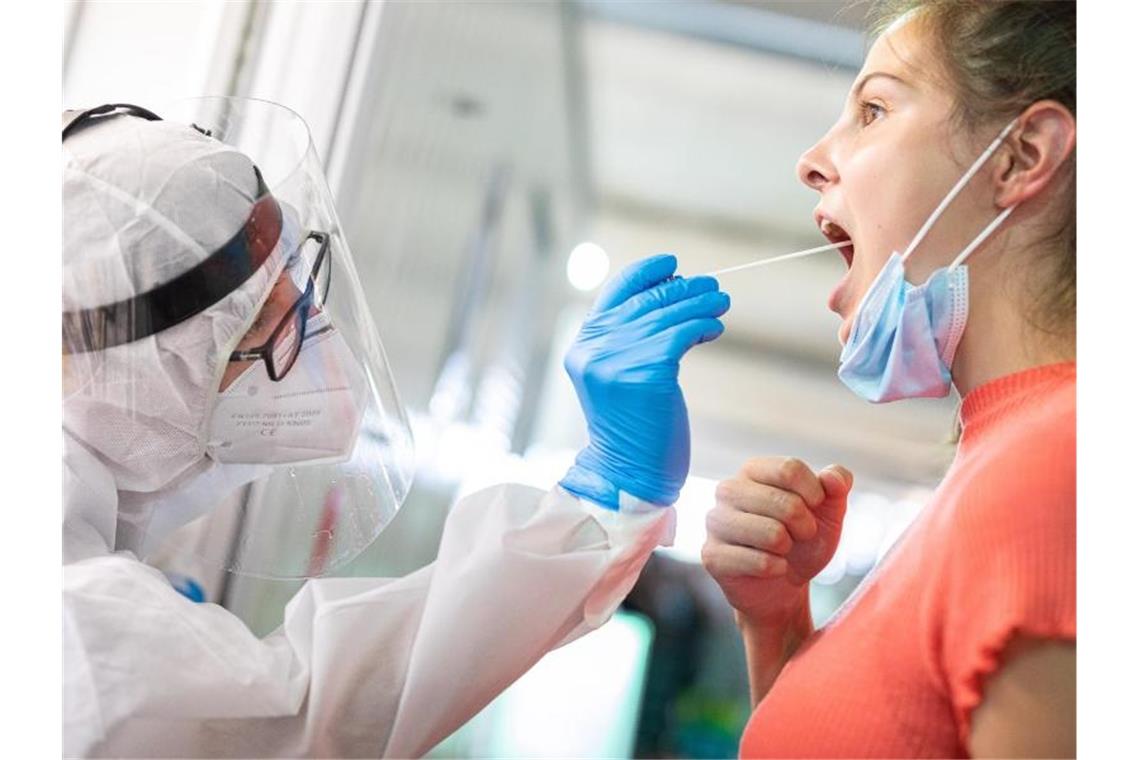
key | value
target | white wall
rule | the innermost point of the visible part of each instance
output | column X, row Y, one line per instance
column 149, row 53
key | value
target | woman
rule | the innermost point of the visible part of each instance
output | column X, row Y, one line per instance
column 963, row 641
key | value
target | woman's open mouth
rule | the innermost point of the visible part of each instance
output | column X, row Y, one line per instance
column 836, row 234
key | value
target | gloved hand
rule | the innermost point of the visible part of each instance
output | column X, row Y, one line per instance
column 624, row 367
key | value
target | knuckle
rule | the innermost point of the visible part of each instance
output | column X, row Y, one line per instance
column 761, row 563
column 791, row 505
column 725, row 491
column 681, row 291
column 780, row 539
column 709, row 558
column 718, row 522
column 791, row 469
column 757, row 469
column 575, row 363
column 751, row 465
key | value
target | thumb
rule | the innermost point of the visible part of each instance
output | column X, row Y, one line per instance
column 836, row 481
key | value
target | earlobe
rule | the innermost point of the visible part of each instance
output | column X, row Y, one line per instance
column 1037, row 150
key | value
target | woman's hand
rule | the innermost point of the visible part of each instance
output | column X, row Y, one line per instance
column 774, row 528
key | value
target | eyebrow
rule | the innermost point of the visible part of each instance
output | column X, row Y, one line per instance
column 862, row 82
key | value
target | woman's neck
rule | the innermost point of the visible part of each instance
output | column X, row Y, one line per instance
column 999, row 340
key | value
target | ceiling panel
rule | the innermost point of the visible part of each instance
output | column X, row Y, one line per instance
column 686, row 124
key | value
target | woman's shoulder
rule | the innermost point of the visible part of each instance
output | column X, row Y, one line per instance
column 1040, row 434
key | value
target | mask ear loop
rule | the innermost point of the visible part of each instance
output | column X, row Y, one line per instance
column 969, row 175
column 981, row 238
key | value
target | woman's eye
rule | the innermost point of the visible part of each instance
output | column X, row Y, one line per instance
column 871, row 112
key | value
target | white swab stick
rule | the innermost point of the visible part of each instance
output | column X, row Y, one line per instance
column 783, row 257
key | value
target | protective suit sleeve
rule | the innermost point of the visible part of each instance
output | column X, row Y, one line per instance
column 360, row 667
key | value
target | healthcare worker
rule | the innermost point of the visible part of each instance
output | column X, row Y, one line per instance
column 952, row 171
column 215, row 338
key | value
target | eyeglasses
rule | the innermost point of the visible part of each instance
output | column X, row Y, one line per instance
column 283, row 347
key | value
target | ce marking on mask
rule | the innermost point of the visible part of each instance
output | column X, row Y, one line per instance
column 269, row 423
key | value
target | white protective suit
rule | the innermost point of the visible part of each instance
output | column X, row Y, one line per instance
column 360, row 666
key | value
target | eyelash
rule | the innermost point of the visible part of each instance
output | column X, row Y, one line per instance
column 865, row 110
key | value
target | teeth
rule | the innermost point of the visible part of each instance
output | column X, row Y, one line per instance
column 833, row 231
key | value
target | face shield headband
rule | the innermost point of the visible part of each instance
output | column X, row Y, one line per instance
column 187, row 295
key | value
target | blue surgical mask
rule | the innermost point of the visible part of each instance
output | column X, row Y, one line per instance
column 904, row 337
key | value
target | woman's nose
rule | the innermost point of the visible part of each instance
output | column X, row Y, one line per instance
column 815, row 170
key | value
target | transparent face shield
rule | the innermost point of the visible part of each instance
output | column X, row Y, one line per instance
column 316, row 398
column 300, row 428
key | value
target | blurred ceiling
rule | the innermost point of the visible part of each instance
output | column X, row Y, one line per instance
column 851, row 14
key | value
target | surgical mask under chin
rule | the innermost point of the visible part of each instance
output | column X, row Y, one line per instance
column 904, row 337
column 310, row 416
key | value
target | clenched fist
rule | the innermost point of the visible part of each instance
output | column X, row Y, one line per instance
column 774, row 528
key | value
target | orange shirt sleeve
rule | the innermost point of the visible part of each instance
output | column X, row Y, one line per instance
column 1010, row 567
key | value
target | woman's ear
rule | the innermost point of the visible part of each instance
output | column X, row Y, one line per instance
column 1036, row 149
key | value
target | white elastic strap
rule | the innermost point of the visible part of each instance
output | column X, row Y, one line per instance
column 930, row 220
column 981, row 238
column 783, row 257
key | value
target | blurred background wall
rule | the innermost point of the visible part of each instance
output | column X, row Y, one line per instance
column 492, row 162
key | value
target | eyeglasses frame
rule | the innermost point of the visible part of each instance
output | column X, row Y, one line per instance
column 264, row 352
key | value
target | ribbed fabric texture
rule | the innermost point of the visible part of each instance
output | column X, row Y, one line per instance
column 899, row 669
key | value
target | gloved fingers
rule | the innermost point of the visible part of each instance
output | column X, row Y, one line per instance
column 635, row 278
column 664, row 295
column 709, row 304
column 677, row 340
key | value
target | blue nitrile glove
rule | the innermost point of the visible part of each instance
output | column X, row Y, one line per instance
column 624, row 367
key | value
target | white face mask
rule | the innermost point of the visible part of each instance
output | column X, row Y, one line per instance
column 311, row 416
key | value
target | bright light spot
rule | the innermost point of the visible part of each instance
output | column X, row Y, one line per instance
column 587, row 266
column 698, row 496
column 863, row 531
column 834, row 571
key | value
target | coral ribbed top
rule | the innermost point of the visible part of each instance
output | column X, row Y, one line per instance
column 899, row 669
